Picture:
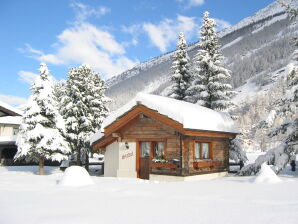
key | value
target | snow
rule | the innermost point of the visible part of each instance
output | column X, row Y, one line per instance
column 232, row 42
column 274, row 9
column 267, row 175
column 11, row 120
column 7, row 139
column 75, row 176
column 8, row 107
column 191, row 116
column 30, row 198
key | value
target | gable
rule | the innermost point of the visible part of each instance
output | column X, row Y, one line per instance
column 130, row 125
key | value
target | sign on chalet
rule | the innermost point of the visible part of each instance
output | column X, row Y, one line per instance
column 159, row 138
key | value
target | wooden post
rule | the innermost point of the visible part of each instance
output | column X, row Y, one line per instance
column 87, row 162
column 41, row 166
column 241, row 164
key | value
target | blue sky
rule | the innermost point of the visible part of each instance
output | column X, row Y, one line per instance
column 109, row 35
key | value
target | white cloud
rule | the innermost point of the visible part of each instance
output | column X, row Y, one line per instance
column 13, row 100
column 165, row 33
column 192, row 3
column 28, row 77
column 83, row 12
column 222, row 24
column 85, row 43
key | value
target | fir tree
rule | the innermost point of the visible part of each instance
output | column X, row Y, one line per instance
column 210, row 88
column 181, row 73
column 83, row 108
column 40, row 135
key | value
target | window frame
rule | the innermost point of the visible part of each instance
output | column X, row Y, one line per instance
column 152, row 141
column 200, row 142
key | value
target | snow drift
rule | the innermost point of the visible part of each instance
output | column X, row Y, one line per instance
column 267, row 175
column 76, row 176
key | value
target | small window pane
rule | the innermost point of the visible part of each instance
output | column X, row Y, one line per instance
column 197, row 150
column 15, row 131
column 205, row 151
column 145, row 149
column 159, row 150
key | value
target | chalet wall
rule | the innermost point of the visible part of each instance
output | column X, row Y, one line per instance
column 149, row 129
column 220, row 148
column 120, row 161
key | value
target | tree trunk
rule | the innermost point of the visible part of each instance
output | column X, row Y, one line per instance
column 87, row 162
column 79, row 163
column 41, row 166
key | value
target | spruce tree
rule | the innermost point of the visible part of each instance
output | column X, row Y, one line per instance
column 181, row 76
column 83, row 107
column 40, row 137
column 210, row 87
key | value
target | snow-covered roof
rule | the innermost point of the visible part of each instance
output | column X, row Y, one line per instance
column 11, row 120
column 9, row 109
column 8, row 139
column 191, row 116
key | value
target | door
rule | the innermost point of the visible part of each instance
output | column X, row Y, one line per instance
column 144, row 169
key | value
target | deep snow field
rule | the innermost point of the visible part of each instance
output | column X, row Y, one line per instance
column 33, row 199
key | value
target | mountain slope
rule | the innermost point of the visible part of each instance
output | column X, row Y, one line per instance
column 253, row 48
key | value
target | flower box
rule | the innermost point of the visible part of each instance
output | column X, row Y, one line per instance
column 200, row 164
column 164, row 165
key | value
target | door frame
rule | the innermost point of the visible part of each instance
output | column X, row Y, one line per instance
column 138, row 151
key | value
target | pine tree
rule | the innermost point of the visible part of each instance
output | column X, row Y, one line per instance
column 181, row 76
column 83, row 108
column 210, row 88
column 40, row 135
column 287, row 109
column 236, row 153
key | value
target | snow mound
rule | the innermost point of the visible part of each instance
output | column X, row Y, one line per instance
column 267, row 175
column 76, row 176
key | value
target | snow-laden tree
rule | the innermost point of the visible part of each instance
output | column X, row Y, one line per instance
column 210, row 87
column 288, row 109
column 40, row 137
column 236, row 152
column 181, row 76
column 83, row 106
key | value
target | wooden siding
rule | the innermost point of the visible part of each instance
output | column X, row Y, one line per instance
column 219, row 148
column 147, row 129
column 144, row 124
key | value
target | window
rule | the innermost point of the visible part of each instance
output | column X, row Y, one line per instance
column 145, row 149
column 159, row 150
column 152, row 149
column 15, row 131
column 202, row 150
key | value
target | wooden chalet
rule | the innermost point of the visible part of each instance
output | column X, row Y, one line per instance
column 159, row 138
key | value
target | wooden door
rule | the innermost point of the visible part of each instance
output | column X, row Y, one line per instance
column 144, row 169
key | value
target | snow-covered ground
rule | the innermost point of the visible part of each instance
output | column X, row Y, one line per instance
column 29, row 198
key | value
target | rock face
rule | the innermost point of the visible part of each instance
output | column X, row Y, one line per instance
column 76, row 176
column 254, row 48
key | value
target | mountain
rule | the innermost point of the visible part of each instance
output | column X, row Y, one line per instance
column 254, row 48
